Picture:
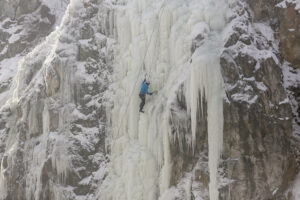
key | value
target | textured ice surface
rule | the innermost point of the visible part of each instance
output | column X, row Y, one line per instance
column 162, row 33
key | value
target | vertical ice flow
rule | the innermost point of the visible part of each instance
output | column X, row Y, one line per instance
column 206, row 79
column 162, row 32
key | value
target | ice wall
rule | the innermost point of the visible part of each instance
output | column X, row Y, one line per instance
column 158, row 35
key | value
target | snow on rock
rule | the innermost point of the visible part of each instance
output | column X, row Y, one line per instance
column 57, row 8
column 18, row 36
column 16, row 8
column 291, row 82
column 257, row 116
column 284, row 3
column 295, row 188
column 53, row 135
column 75, row 99
column 8, row 69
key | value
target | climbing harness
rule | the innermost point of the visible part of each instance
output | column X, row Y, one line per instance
column 143, row 67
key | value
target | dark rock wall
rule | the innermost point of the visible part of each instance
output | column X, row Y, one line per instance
column 285, row 19
column 289, row 34
column 258, row 124
column 258, row 160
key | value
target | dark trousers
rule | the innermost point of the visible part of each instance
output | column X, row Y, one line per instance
column 143, row 98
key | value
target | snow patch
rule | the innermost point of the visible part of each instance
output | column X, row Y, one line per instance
column 265, row 30
column 284, row 4
column 244, row 97
column 261, row 86
column 291, row 78
column 14, row 38
column 8, row 70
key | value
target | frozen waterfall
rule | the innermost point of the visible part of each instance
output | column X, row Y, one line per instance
column 162, row 33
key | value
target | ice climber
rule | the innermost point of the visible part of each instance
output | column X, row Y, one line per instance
column 143, row 92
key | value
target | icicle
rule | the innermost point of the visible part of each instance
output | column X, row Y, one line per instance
column 207, row 67
column 141, row 163
column 3, row 181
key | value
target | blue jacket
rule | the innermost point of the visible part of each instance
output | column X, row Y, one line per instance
column 144, row 89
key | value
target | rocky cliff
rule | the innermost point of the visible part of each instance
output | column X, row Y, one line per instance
column 223, row 124
column 53, row 131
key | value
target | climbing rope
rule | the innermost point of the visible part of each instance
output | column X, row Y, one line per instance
column 143, row 67
column 161, row 10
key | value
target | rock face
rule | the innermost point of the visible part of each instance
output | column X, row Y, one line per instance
column 21, row 33
column 264, row 10
column 15, row 8
column 289, row 34
column 284, row 18
column 257, row 116
column 53, row 128
column 258, row 159
column 17, row 37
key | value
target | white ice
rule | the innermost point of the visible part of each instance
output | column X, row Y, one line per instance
column 162, row 33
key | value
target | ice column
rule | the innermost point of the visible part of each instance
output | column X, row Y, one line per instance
column 162, row 33
column 206, row 79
